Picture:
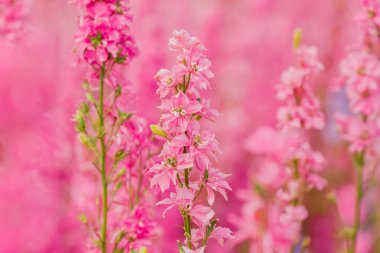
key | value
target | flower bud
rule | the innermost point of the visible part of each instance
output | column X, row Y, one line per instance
column 157, row 130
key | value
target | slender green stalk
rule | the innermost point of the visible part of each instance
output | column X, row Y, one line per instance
column 359, row 161
column 102, row 161
column 187, row 227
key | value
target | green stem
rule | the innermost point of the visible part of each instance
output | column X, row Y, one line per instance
column 102, row 159
column 359, row 161
column 187, row 226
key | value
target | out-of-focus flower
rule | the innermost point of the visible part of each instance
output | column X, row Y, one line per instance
column 287, row 166
column 12, row 18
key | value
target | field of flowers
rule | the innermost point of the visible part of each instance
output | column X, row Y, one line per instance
column 190, row 126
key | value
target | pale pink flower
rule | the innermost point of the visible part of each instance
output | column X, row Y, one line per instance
column 188, row 154
column 216, row 182
column 307, row 58
column 361, row 75
column 177, row 112
column 293, row 214
column 12, row 18
column 361, row 135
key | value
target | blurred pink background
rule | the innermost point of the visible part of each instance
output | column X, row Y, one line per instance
column 249, row 43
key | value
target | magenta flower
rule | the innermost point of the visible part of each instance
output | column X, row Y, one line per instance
column 118, row 143
column 104, row 33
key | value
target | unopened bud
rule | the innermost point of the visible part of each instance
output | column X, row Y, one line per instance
column 157, row 130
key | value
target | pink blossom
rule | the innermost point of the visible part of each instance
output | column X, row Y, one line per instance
column 361, row 74
column 215, row 182
column 12, row 18
column 104, row 33
column 188, row 154
column 178, row 111
column 307, row 58
column 201, row 214
column 220, row 234
column 293, row 214
column 301, row 108
column 361, row 135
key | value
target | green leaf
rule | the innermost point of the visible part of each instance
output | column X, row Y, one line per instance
column 96, row 40
column 205, row 176
column 90, row 98
column 181, row 250
column 209, row 230
column 124, row 116
column 120, row 155
column 84, row 108
column 120, row 236
column 120, row 59
column 86, row 85
column 80, row 122
column 84, row 139
column 118, row 91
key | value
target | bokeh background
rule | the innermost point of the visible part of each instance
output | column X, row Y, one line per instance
column 249, row 43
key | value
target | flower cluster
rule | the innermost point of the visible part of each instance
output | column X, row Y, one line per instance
column 286, row 167
column 360, row 72
column 118, row 143
column 301, row 163
column 186, row 166
column 130, row 225
column 370, row 20
column 302, row 108
column 360, row 77
column 12, row 14
column 104, row 33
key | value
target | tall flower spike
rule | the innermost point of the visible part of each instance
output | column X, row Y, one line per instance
column 300, row 111
column 286, row 167
column 186, row 167
column 117, row 142
column 360, row 76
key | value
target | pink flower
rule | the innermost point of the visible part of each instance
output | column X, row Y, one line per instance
column 163, row 175
column 201, row 214
column 188, row 154
column 361, row 135
column 307, row 58
column 293, row 214
column 361, row 74
column 301, row 108
column 177, row 112
column 166, row 81
column 220, row 234
column 12, row 15
column 104, row 33
column 216, row 182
